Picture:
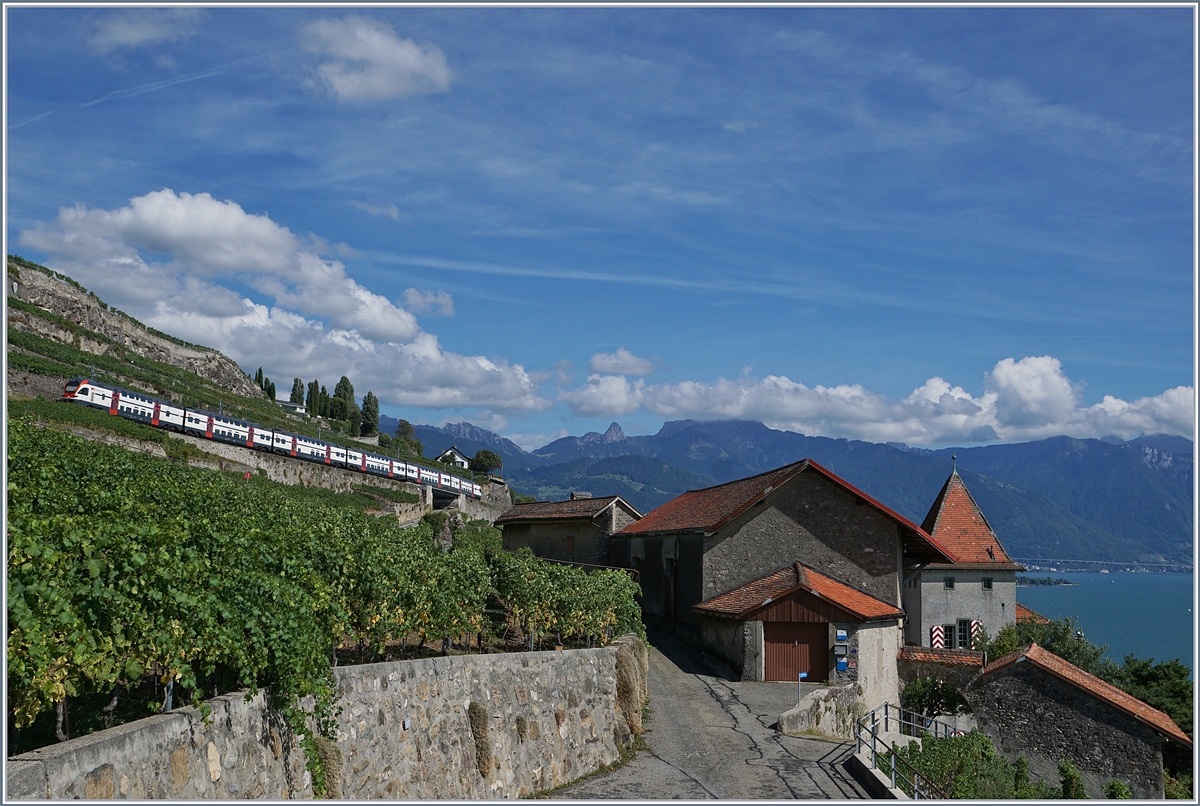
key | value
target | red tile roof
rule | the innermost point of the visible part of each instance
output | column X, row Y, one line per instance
column 956, row 522
column 707, row 510
column 1025, row 614
column 743, row 601
column 949, row 657
column 560, row 510
column 1090, row 684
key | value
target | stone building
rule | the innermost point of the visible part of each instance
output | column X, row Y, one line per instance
column 573, row 531
column 1033, row 703
column 453, row 456
column 788, row 571
column 948, row 603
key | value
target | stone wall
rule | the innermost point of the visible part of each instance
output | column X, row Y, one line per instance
column 811, row 520
column 467, row 726
column 1029, row 712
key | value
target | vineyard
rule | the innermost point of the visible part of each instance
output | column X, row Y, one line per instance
column 125, row 568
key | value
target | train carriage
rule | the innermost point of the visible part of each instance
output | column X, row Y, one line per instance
column 141, row 407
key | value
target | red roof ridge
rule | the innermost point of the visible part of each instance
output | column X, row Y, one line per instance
column 1091, row 684
column 750, row 596
column 953, row 657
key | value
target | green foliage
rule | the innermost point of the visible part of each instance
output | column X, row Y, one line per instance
column 397, row 496
column 370, row 415
column 153, row 566
column 1072, row 781
column 1060, row 636
column 931, row 697
column 1177, row 788
column 486, row 461
column 312, row 400
column 1118, row 790
column 968, row 767
column 521, row 498
column 1165, row 685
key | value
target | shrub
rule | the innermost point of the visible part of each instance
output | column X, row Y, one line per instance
column 930, row 697
column 1072, row 781
column 1117, row 790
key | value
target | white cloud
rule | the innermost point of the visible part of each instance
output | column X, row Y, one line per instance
column 605, row 395
column 622, row 362
column 531, row 442
column 164, row 259
column 134, row 27
column 373, row 64
column 438, row 303
column 379, row 210
column 1023, row 400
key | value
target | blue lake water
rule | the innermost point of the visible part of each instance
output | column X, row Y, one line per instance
column 1147, row 615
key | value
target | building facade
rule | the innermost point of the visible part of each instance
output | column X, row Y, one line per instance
column 949, row 605
column 453, row 456
column 574, row 531
column 793, row 570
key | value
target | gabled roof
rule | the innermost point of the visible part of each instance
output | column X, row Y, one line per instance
column 576, row 509
column 744, row 600
column 956, row 522
column 454, row 449
column 707, row 510
column 1090, row 684
column 947, row 657
column 1025, row 614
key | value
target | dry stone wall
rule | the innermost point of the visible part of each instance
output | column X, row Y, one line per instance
column 472, row 726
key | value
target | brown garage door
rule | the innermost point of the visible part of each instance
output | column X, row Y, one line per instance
column 791, row 647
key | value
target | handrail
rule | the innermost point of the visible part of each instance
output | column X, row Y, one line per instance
column 908, row 773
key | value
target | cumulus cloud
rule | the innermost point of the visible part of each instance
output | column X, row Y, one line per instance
column 622, row 362
column 606, row 395
column 372, row 63
column 169, row 260
column 134, row 27
column 1022, row 400
column 438, row 303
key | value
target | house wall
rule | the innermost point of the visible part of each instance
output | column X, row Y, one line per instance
column 551, row 540
column 811, row 520
column 968, row 600
column 1029, row 712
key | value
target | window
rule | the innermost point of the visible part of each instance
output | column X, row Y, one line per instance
column 987, row 583
column 949, row 631
column 571, row 543
column 964, row 633
column 948, row 583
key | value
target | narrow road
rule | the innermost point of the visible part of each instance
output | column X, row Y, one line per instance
column 713, row 737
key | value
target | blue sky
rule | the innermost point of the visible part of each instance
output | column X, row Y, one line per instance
column 937, row 226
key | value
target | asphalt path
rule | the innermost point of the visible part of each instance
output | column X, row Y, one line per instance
column 712, row 737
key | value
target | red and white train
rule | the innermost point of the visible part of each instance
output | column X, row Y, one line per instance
column 162, row 414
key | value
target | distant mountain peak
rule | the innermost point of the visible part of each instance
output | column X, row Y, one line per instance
column 614, row 433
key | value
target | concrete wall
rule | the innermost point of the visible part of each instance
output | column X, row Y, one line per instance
column 968, row 600
column 1029, row 712
column 878, row 644
column 456, row 727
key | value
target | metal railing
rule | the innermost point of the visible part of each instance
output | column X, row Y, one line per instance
column 906, row 723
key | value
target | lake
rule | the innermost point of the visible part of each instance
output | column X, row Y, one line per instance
column 1147, row 615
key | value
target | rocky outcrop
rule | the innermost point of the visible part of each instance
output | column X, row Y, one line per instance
column 38, row 287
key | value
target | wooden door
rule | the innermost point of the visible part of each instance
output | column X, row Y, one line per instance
column 791, row 647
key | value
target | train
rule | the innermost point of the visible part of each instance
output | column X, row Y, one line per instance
column 142, row 408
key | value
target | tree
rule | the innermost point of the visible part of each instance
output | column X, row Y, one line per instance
column 1061, row 636
column 405, row 430
column 1072, row 781
column 344, row 389
column 271, row 391
column 354, row 418
column 324, row 403
column 297, row 395
column 258, row 378
column 932, row 697
column 486, row 461
column 313, row 401
column 370, row 414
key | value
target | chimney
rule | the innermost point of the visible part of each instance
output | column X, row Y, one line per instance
column 580, row 496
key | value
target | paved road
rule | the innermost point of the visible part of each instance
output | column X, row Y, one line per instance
column 713, row 737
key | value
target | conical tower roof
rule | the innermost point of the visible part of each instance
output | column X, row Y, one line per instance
column 956, row 522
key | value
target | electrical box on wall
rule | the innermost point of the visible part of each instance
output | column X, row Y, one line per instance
column 840, row 635
column 841, row 664
column 839, row 649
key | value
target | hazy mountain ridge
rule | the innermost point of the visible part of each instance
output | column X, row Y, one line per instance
column 1086, row 499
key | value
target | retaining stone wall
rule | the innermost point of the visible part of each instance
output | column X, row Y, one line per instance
column 472, row 726
column 828, row 711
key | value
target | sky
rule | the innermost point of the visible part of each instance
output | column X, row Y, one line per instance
column 937, row 226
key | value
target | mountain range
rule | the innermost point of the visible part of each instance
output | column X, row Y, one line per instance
column 1059, row 498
